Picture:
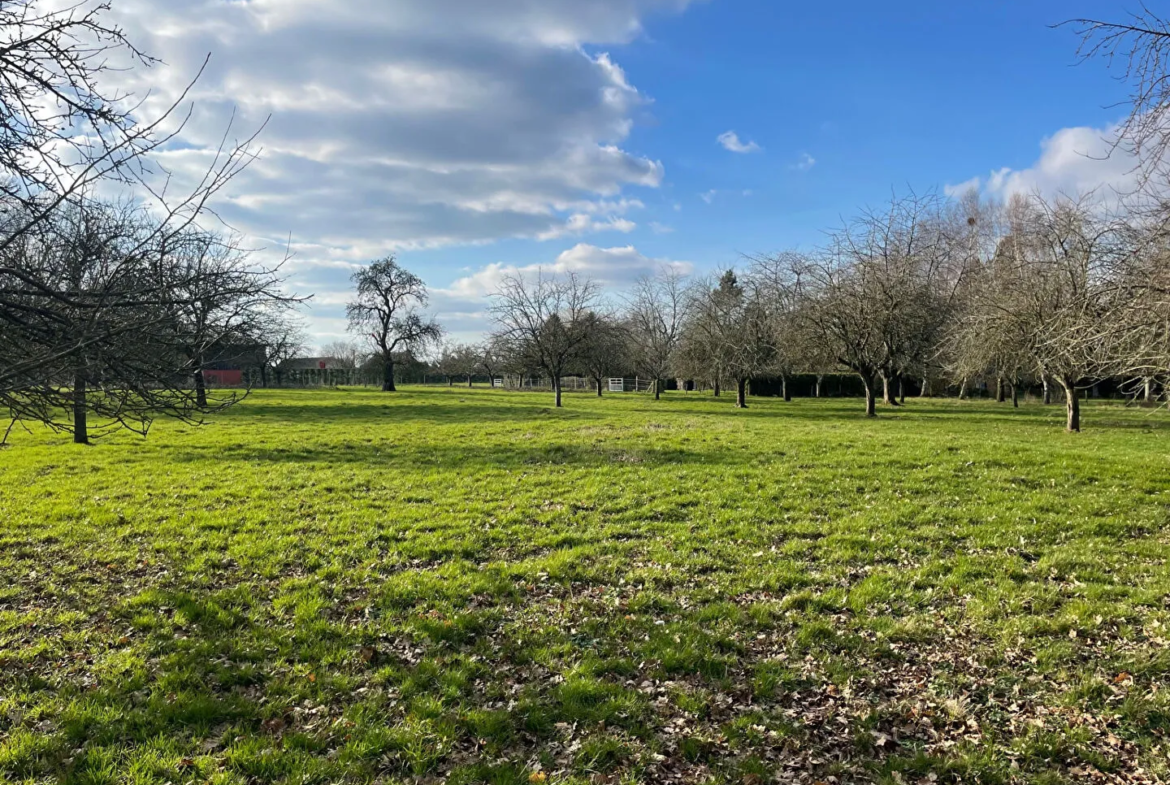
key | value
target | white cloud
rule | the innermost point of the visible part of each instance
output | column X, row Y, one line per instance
column 1072, row 162
column 709, row 196
column 612, row 267
column 464, row 306
column 958, row 189
column 659, row 228
column 804, row 163
column 732, row 143
column 404, row 125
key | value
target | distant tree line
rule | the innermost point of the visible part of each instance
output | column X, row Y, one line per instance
column 935, row 292
column 926, row 292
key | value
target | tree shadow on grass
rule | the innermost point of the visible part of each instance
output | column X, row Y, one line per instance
column 449, row 412
column 470, row 456
column 1104, row 415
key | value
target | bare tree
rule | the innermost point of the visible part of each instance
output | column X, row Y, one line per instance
column 604, row 353
column 1041, row 304
column 732, row 323
column 1139, row 48
column 491, row 358
column 1068, row 258
column 385, row 312
column 284, row 339
column 456, row 359
column 220, row 299
column 792, row 350
column 546, row 319
column 61, row 133
column 348, row 354
column 655, row 313
column 877, row 297
column 97, row 322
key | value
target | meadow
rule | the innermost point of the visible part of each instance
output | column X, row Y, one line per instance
column 470, row 586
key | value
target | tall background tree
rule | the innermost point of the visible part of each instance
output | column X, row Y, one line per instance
column 385, row 311
column 729, row 327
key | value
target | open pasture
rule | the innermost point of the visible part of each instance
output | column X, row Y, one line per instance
column 471, row 586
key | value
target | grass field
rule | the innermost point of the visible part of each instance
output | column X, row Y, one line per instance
column 472, row 587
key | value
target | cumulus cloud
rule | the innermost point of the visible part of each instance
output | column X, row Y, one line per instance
column 732, row 143
column 405, row 125
column 1072, row 162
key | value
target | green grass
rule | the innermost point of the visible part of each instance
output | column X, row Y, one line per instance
column 439, row 584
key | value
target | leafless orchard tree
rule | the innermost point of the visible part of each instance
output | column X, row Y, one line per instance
column 492, row 358
column 100, row 321
column 606, row 351
column 655, row 310
column 457, row 359
column 1138, row 48
column 877, row 297
column 385, row 312
column 284, row 340
column 348, row 354
column 732, row 322
column 839, row 314
column 61, row 133
column 221, row 298
column 547, row 320
column 793, row 350
column 1041, row 303
column 89, row 298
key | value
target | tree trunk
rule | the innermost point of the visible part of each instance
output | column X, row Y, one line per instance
column 200, row 389
column 784, row 388
column 963, row 391
column 741, row 393
column 1072, row 401
column 80, row 410
column 1015, row 394
column 870, row 395
column 925, row 391
column 718, row 391
column 888, row 391
column 901, row 389
column 999, row 391
column 597, row 379
column 820, row 378
column 1047, row 389
column 557, row 389
column 1148, row 390
column 657, row 389
column 388, row 375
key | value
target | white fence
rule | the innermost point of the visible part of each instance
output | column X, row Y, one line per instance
column 631, row 385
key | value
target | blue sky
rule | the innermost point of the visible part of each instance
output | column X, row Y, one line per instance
column 478, row 138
